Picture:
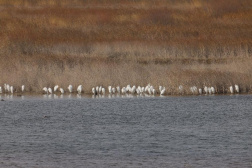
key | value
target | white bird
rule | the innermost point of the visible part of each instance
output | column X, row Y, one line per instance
column 61, row 90
column 200, row 91
column 8, row 87
column 5, row 87
column 109, row 89
column 1, row 90
column 118, row 89
column 100, row 89
column 133, row 89
column 205, row 89
column 142, row 90
column 180, row 88
column 123, row 90
column 128, row 88
column 154, row 91
column 162, row 91
column 231, row 89
column 79, row 89
column 113, row 90
column 70, row 88
column 94, row 91
column 138, row 90
column 103, row 91
column 45, row 90
column 55, row 88
column 237, row 89
column 50, row 90
column 193, row 89
column 22, row 88
column 149, row 90
column 11, row 89
column 146, row 88
column 213, row 90
column 209, row 90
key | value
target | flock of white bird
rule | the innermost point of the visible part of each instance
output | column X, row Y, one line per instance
column 149, row 89
column 10, row 89
column 99, row 90
column 111, row 90
column 210, row 90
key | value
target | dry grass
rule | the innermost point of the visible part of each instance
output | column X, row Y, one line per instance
column 162, row 42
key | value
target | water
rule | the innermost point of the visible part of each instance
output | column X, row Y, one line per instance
column 194, row 131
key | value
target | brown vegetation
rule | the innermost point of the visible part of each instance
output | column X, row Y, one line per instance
column 120, row 42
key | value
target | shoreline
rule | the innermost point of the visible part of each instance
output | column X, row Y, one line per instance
column 58, row 96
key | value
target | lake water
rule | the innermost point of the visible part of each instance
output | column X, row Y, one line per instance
column 193, row 131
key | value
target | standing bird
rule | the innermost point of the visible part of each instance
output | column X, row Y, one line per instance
column 209, row 90
column 118, row 89
column 103, row 91
column 79, row 89
column 128, row 88
column 70, row 88
column 50, row 90
column 45, row 90
column 123, row 90
column 200, row 91
column 94, row 91
column 133, row 89
column 109, row 89
column 205, row 89
column 154, row 91
column 138, row 90
column 7, row 87
column 55, row 88
column 61, row 90
column 162, row 91
column 213, row 90
column 11, row 89
column 231, row 89
column 237, row 89
column 180, row 88
column 100, row 89
column 22, row 88
column 113, row 90
column 1, row 90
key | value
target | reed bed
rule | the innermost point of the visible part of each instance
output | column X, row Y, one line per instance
column 190, row 43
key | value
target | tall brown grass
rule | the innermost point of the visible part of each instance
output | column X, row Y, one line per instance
column 102, row 42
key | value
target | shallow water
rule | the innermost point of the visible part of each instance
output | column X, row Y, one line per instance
column 193, row 131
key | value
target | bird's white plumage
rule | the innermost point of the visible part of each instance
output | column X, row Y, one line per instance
column 93, row 91
column 61, row 90
column 50, row 90
column 213, row 90
column 103, row 90
column 55, row 88
column 79, row 89
column 162, row 91
column 231, row 89
column 113, row 90
column 110, row 89
column 70, row 88
column 237, row 89
column 206, row 89
column 11, row 89
column 118, row 89
column 123, row 90
column 200, row 91
column 45, row 89
column 22, row 88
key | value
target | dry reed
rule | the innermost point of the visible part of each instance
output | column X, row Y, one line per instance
column 44, row 43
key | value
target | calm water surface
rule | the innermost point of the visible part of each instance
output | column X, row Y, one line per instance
column 195, row 131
